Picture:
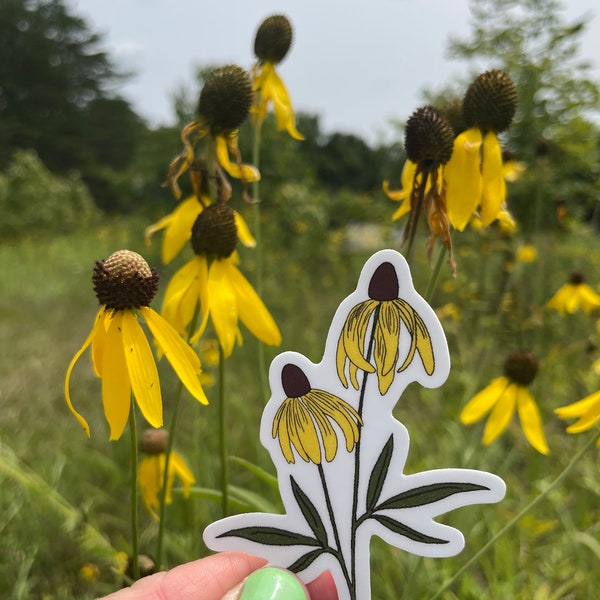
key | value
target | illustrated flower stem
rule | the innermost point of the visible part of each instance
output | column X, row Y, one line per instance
column 355, row 520
column 168, row 451
column 135, row 564
column 223, row 436
column 518, row 517
column 256, row 143
column 336, row 535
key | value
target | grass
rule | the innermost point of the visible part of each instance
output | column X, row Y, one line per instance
column 64, row 498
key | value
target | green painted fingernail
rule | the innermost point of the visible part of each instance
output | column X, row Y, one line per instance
column 272, row 584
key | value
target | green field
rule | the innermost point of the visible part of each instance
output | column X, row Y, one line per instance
column 64, row 499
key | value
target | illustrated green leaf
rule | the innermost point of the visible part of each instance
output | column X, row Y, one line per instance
column 271, row 536
column 379, row 473
column 428, row 494
column 306, row 560
column 311, row 514
column 406, row 531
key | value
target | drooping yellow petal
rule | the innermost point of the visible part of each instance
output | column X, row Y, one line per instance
column 180, row 468
column 531, row 421
column 326, row 432
column 182, row 295
column 483, row 401
column 281, row 430
column 201, row 287
column 385, row 348
column 304, row 435
column 142, row 370
column 501, row 414
column 354, row 334
column 424, row 345
column 272, row 89
column 339, row 411
column 243, row 231
column 181, row 356
column 240, row 171
column 150, row 479
column 223, row 305
column 562, row 301
column 252, row 312
column 98, row 323
column 99, row 338
column 588, row 298
column 116, row 386
column 579, row 408
column 493, row 193
column 463, row 179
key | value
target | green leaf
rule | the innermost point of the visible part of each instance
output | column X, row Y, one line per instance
column 311, row 514
column 217, row 496
column 306, row 560
column 271, row 536
column 379, row 473
column 428, row 494
column 252, row 499
column 263, row 475
column 406, row 531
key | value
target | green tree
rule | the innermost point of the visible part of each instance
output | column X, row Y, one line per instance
column 56, row 93
column 532, row 42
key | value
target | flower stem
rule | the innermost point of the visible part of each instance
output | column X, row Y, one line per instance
column 256, row 143
column 517, row 518
column 222, row 435
column 433, row 279
column 135, row 564
column 416, row 206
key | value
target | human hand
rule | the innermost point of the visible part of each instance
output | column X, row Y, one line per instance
column 227, row 576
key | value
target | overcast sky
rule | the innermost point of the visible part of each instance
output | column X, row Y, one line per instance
column 356, row 63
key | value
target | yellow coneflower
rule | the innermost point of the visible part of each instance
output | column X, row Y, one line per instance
column 121, row 354
column 151, row 470
column 213, row 281
column 573, row 295
column 502, row 396
column 271, row 44
column 225, row 102
column 304, row 420
column 587, row 411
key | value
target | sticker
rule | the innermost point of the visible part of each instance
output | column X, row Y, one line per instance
column 340, row 453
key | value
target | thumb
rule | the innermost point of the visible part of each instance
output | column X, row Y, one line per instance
column 269, row 583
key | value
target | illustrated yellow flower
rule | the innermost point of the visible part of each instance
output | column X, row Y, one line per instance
column 225, row 102
column 121, row 354
column 151, row 470
column 304, row 420
column 502, row 396
column 213, row 281
column 389, row 314
column 271, row 44
column 573, row 295
column 587, row 411
column 474, row 176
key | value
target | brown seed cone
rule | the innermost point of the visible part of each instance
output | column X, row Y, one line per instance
column 521, row 367
column 124, row 280
column 154, row 441
column 273, row 39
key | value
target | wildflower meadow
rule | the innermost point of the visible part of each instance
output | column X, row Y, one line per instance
column 148, row 295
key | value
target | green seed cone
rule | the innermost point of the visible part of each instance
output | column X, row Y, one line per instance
column 273, row 39
column 490, row 102
column 226, row 98
column 215, row 233
column 429, row 138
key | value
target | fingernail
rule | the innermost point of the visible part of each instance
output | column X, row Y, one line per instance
column 270, row 583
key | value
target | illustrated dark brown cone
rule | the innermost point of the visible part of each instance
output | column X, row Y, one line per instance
column 294, row 381
column 384, row 283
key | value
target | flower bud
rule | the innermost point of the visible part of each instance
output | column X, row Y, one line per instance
column 154, row 441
